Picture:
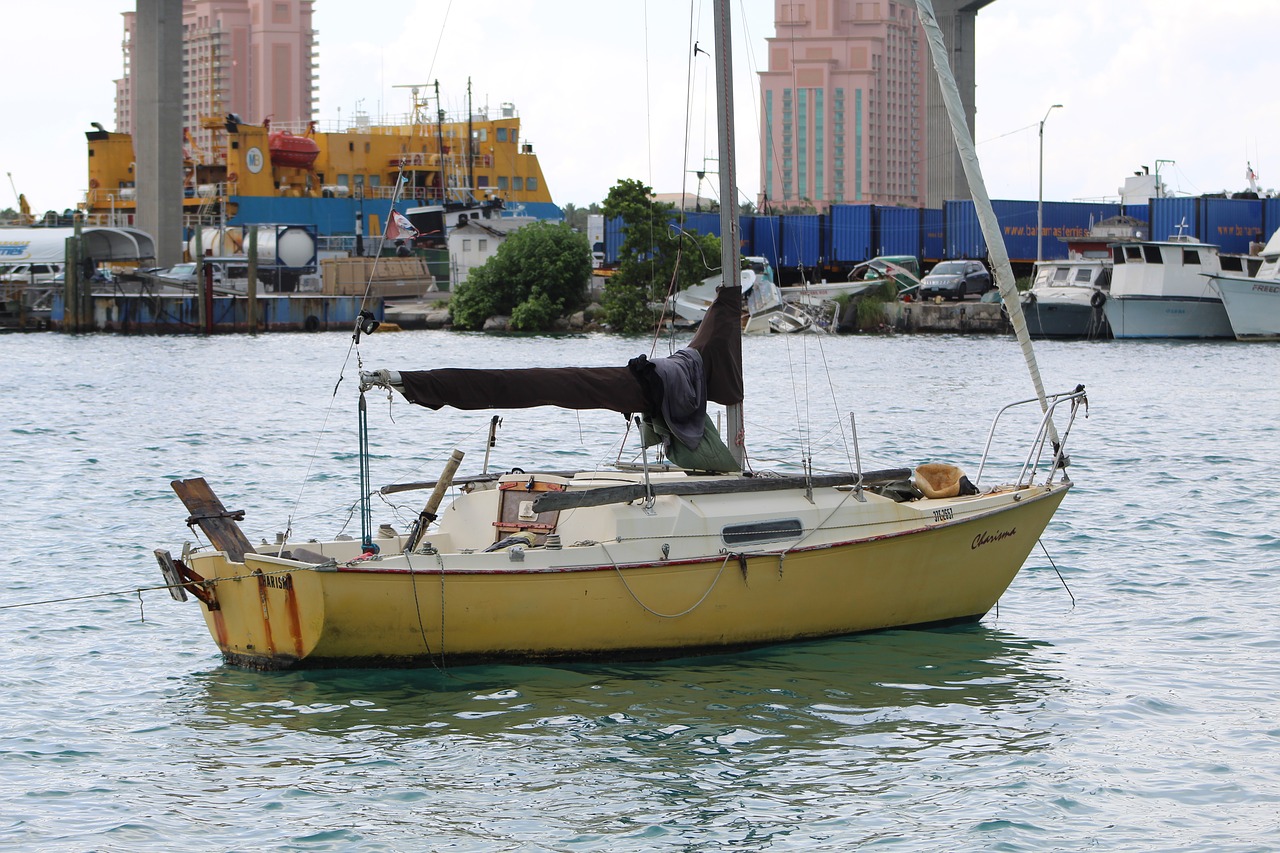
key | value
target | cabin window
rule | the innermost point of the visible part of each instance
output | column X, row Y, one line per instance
column 344, row 180
column 517, row 183
column 1083, row 275
column 1151, row 254
column 502, row 134
column 482, row 180
column 502, row 182
column 1062, row 273
column 481, row 135
column 375, row 180
column 1191, row 256
column 1117, row 254
column 1230, row 263
column 758, row 532
column 531, row 184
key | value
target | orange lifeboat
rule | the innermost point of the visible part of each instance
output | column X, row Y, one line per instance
column 296, row 152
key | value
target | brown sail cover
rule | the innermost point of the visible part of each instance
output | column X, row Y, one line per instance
column 718, row 339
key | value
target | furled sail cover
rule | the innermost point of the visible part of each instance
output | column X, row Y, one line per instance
column 719, row 340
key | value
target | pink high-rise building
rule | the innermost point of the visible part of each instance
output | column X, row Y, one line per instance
column 254, row 58
column 850, row 107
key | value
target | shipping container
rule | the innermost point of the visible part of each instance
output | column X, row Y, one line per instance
column 934, row 239
column 898, row 231
column 800, row 241
column 1062, row 221
column 765, row 239
column 850, row 226
column 703, row 223
column 614, row 234
column 1141, row 212
column 1270, row 217
column 1232, row 224
column 1173, row 216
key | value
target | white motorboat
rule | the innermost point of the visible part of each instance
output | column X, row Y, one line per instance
column 1253, row 303
column 1065, row 299
column 1161, row 289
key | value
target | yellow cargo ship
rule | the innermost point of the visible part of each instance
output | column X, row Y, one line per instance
column 248, row 171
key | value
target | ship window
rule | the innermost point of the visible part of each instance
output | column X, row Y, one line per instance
column 482, row 245
column 1061, row 273
column 1230, row 263
column 1190, row 256
column 502, row 134
column 757, row 532
column 1084, row 274
column 344, row 180
column 482, row 180
column 502, row 182
column 1117, row 254
column 517, row 183
column 531, row 184
column 466, row 245
column 375, row 180
column 1133, row 253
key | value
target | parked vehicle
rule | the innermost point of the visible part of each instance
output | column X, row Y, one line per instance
column 954, row 279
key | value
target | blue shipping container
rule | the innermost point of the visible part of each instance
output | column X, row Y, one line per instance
column 765, row 240
column 934, row 236
column 1232, row 224
column 898, row 231
column 850, row 232
column 1173, row 216
column 800, row 237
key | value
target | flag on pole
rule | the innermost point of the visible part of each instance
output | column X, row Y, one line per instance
column 399, row 227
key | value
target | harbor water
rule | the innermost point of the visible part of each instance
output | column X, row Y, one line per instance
column 1122, row 696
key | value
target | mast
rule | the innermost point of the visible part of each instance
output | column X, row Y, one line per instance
column 729, row 241
column 471, row 136
column 981, row 201
column 440, row 143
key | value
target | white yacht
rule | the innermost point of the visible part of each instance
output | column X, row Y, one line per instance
column 1163, row 290
column 1253, row 303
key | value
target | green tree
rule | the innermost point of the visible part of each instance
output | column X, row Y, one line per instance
column 539, row 274
column 656, row 255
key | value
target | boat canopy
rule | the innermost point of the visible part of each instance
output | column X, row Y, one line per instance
column 718, row 341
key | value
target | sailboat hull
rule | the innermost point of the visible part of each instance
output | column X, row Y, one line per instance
column 927, row 562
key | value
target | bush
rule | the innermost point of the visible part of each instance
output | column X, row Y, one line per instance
column 540, row 273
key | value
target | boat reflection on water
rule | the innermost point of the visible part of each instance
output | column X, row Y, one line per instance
column 890, row 692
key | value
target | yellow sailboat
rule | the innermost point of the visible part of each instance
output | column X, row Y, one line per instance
column 626, row 564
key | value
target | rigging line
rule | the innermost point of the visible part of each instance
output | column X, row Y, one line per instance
column 1040, row 542
column 440, row 38
column 622, row 577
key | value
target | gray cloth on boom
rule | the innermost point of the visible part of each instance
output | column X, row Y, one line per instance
column 684, row 395
column 718, row 340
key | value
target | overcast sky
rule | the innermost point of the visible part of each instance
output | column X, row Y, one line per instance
column 601, row 87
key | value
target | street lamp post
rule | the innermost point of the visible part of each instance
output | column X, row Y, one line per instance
column 1040, row 197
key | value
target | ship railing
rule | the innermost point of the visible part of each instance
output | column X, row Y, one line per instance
column 1036, row 455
